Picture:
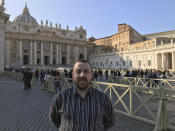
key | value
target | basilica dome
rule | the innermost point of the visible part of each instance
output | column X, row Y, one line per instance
column 25, row 17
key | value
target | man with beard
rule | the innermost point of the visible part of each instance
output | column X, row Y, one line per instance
column 82, row 107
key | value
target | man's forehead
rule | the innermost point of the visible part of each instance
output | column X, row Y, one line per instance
column 82, row 65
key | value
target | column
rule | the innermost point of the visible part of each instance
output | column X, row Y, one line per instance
column 31, row 52
column 20, row 51
column 3, row 25
column 173, row 68
column 42, row 63
column 51, row 53
column 68, row 54
column 85, row 53
column 7, row 56
column 57, row 54
column 156, row 61
column 163, row 58
column 172, row 41
column 60, row 53
column 76, row 52
column 35, row 53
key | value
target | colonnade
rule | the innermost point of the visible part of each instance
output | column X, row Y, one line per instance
column 166, row 60
column 36, row 52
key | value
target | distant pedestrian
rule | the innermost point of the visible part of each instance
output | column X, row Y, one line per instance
column 57, row 83
column 27, row 77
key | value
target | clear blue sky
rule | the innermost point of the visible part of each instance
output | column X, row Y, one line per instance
column 100, row 18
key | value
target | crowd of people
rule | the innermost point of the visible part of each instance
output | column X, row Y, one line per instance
column 148, row 73
column 99, row 75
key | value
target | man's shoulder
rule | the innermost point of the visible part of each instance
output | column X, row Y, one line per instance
column 98, row 92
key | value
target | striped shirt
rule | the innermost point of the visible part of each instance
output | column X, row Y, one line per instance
column 70, row 112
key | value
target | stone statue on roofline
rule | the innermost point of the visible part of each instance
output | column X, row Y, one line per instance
column 41, row 23
column 2, row 6
column 2, row 3
column 46, row 22
column 59, row 26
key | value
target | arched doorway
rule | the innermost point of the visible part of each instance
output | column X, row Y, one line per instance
column 26, row 59
column 46, row 60
column 81, row 56
column 63, row 61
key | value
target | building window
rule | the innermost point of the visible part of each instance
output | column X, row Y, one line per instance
column 81, row 36
column 130, row 63
column 101, row 63
column 149, row 62
column 169, row 41
column 123, row 63
column 54, row 61
column 26, row 45
column 38, row 61
column 46, row 46
column 158, row 42
column 116, row 63
column 38, row 46
column 140, row 63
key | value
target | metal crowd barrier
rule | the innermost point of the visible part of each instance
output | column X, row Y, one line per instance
column 156, row 107
column 17, row 75
column 143, row 82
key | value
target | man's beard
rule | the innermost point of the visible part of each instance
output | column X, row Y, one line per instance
column 82, row 83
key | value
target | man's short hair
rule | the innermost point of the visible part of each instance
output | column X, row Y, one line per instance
column 83, row 61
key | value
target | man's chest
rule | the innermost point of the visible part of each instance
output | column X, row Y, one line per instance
column 81, row 110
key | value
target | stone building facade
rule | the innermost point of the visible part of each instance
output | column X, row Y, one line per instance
column 151, row 51
column 120, row 41
column 28, row 43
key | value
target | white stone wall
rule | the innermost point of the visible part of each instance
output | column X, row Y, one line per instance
column 135, row 56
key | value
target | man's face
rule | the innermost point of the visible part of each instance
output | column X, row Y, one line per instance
column 82, row 75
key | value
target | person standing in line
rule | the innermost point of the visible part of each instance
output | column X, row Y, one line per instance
column 27, row 77
column 82, row 107
column 57, row 82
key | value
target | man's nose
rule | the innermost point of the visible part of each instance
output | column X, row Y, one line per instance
column 82, row 73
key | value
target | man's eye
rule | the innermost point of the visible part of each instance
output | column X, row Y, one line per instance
column 84, row 71
column 78, row 71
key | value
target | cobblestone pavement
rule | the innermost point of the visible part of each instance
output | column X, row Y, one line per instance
column 27, row 110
